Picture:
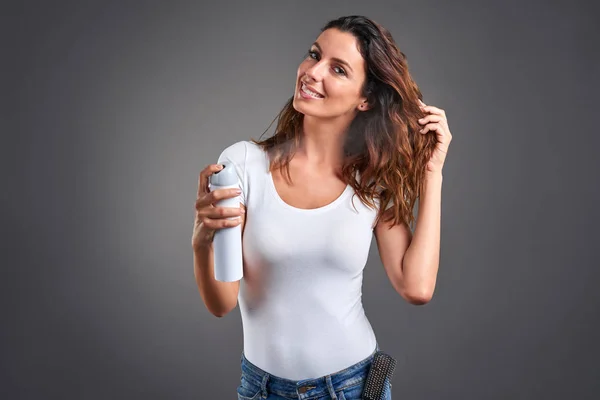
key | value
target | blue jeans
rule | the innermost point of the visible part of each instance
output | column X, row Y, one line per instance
column 343, row 385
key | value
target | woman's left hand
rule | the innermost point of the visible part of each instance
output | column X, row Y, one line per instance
column 436, row 121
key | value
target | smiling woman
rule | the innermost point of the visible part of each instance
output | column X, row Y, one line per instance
column 350, row 129
column 355, row 75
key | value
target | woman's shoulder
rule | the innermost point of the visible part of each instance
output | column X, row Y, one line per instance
column 235, row 153
column 244, row 153
column 253, row 148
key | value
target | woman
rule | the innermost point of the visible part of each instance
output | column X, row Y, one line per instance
column 354, row 127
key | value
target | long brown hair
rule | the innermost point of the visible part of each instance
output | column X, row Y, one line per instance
column 383, row 144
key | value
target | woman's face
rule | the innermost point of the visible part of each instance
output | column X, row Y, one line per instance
column 335, row 69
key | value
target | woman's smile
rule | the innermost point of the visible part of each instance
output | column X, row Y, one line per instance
column 307, row 93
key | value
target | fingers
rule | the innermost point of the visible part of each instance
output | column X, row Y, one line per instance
column 210, row 198
column 430, row 118
column 431, row 127
column 433, row 110
column 221, row 194
column 213, row 218
column 204, row 207
column 433, row 122
column 215, row 224
column 210, row 218
column 204, row 175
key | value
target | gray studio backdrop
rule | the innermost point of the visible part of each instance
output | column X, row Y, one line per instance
column 111, row 109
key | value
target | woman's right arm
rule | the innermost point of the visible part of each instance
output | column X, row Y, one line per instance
column 219, row 297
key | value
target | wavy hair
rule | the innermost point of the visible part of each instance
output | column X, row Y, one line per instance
column 383, row 144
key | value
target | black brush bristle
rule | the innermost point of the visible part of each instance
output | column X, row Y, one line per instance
column 382, row 368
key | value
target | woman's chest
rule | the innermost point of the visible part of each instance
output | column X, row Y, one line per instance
column 339, row 237
column 307, row 191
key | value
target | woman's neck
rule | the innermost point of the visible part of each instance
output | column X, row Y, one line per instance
column 322, row 143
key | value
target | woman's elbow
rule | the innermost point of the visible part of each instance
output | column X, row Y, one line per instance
column 418, row 297
column 220, row 312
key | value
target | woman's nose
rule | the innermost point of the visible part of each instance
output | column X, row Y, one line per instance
column 315, row 72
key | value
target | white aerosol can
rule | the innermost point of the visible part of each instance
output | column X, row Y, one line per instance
column 227, row 242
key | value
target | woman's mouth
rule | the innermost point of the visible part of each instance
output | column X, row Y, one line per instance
column 306, row 93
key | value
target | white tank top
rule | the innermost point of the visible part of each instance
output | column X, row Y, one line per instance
column 301, row 295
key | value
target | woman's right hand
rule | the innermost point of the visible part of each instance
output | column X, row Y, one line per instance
column 210, row 218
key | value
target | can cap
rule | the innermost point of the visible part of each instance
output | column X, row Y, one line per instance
column 225, row 177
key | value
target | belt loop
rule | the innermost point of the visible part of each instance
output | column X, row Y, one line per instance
column 263, row 386
column 330, row 387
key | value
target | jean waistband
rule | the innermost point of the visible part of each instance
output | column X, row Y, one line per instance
column 307, row 388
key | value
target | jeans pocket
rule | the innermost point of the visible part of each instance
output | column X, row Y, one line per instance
column 353, row 392
column 248, row 390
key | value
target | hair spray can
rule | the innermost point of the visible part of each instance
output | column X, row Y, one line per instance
column 227, row 242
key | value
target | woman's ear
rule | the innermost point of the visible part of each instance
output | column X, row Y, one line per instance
column 364, row 106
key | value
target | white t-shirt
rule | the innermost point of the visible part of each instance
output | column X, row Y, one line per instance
column 301, row 295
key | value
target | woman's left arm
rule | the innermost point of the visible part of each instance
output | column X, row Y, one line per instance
column 422, row 259
column 412, row 261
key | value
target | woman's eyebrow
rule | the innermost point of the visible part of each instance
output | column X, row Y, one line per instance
column 339, row 60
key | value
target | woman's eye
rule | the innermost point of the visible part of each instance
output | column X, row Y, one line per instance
column 314, row 55
column 341, row 69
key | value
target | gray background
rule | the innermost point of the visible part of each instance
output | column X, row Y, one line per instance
column 110, row 111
